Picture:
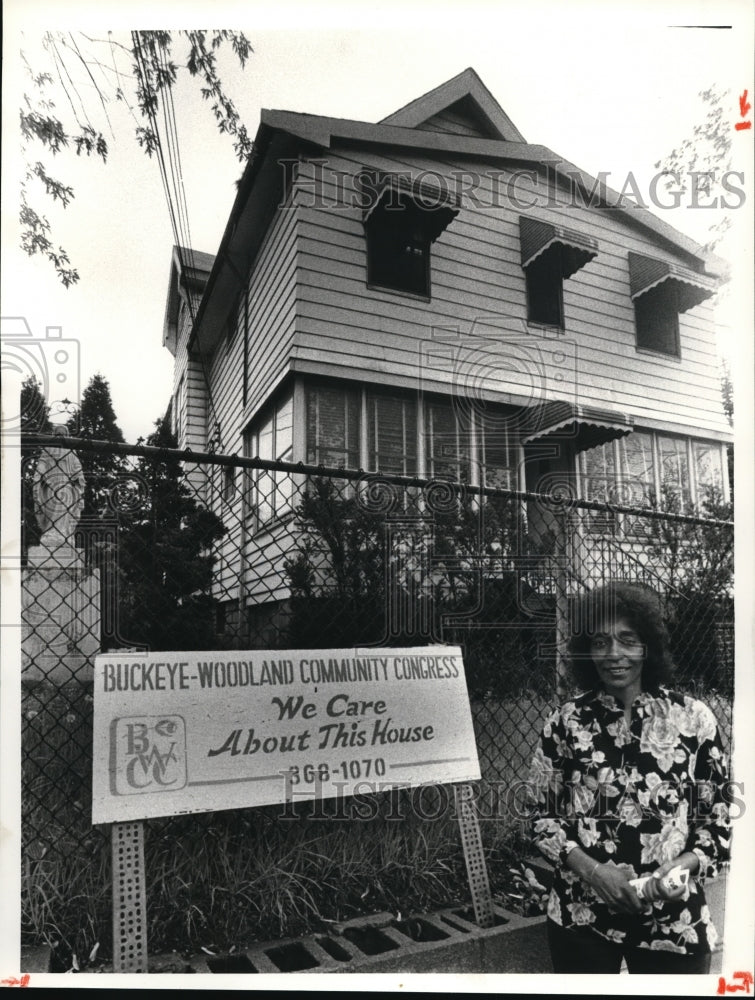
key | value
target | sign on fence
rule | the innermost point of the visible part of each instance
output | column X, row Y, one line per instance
column 199, row 731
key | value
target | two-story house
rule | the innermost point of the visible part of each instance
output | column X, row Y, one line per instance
column 434, row 296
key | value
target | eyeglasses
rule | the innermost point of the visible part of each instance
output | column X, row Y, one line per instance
column 629, row 640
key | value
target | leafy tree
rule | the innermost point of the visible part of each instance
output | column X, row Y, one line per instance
column 435, row 574
column 141, row 74
column 95, row 420
column 694, row 563
column 707, row 154
column 165, row 557
column 727, row 395
column 727, row 392
column 142, row 528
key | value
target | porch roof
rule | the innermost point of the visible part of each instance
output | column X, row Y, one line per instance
column 582, row 426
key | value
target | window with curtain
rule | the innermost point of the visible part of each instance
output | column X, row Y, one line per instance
column 332, row 427
column 637, row 478
column 392, row 434
column 597, row 469
column 446, row 443
column 498, row 454
column 708, row 469
column 674, row 468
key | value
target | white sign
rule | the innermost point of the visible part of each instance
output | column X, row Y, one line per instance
column 200, row 731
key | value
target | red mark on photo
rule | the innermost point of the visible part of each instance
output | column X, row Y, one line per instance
column 745, row 986
column 15, row 981
column 744, row 107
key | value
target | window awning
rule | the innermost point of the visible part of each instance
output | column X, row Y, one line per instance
column 537, row 237
column 648, row 272
column 583, row 426
column 433, row 206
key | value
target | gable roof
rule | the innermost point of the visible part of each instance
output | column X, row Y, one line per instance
column 187, row 268
column 465, row 94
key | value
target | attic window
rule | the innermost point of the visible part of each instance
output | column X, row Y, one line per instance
column 660, row 291
column 550, row 253
column 401, row 219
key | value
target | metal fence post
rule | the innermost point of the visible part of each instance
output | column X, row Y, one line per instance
column 561, row 577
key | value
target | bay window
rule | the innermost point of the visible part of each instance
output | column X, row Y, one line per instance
column 648, row 467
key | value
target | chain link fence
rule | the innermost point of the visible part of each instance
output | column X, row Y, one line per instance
column 175, row 550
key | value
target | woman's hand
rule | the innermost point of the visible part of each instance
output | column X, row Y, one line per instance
column 612, row 885
column 688, row 860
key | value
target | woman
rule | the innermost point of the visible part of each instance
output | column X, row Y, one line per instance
column 630, row 781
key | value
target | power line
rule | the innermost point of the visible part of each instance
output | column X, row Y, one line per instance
column 171, row 175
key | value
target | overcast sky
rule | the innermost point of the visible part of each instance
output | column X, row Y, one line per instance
column 608, row 87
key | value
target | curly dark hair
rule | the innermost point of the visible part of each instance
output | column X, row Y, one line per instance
column 641, row 607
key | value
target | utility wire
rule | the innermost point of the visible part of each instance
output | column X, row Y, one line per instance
column 175, row 195
column 186, row 246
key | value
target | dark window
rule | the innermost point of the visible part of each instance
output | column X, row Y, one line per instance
column 229, row 483
column 398, row 251
column 656, row 314
column 545, row 289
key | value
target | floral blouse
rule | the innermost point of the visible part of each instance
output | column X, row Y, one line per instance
column 633, row 796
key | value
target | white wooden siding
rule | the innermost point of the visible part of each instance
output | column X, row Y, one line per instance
column 476, row 273
column 271, row 309
column 265, row 577
column 190, row 400
column 270, row 295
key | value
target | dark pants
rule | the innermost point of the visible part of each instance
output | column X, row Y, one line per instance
column 580, row 951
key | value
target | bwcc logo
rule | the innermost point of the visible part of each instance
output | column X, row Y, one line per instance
column 147, row 754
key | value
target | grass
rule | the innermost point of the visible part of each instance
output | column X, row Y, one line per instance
column 221, row 880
